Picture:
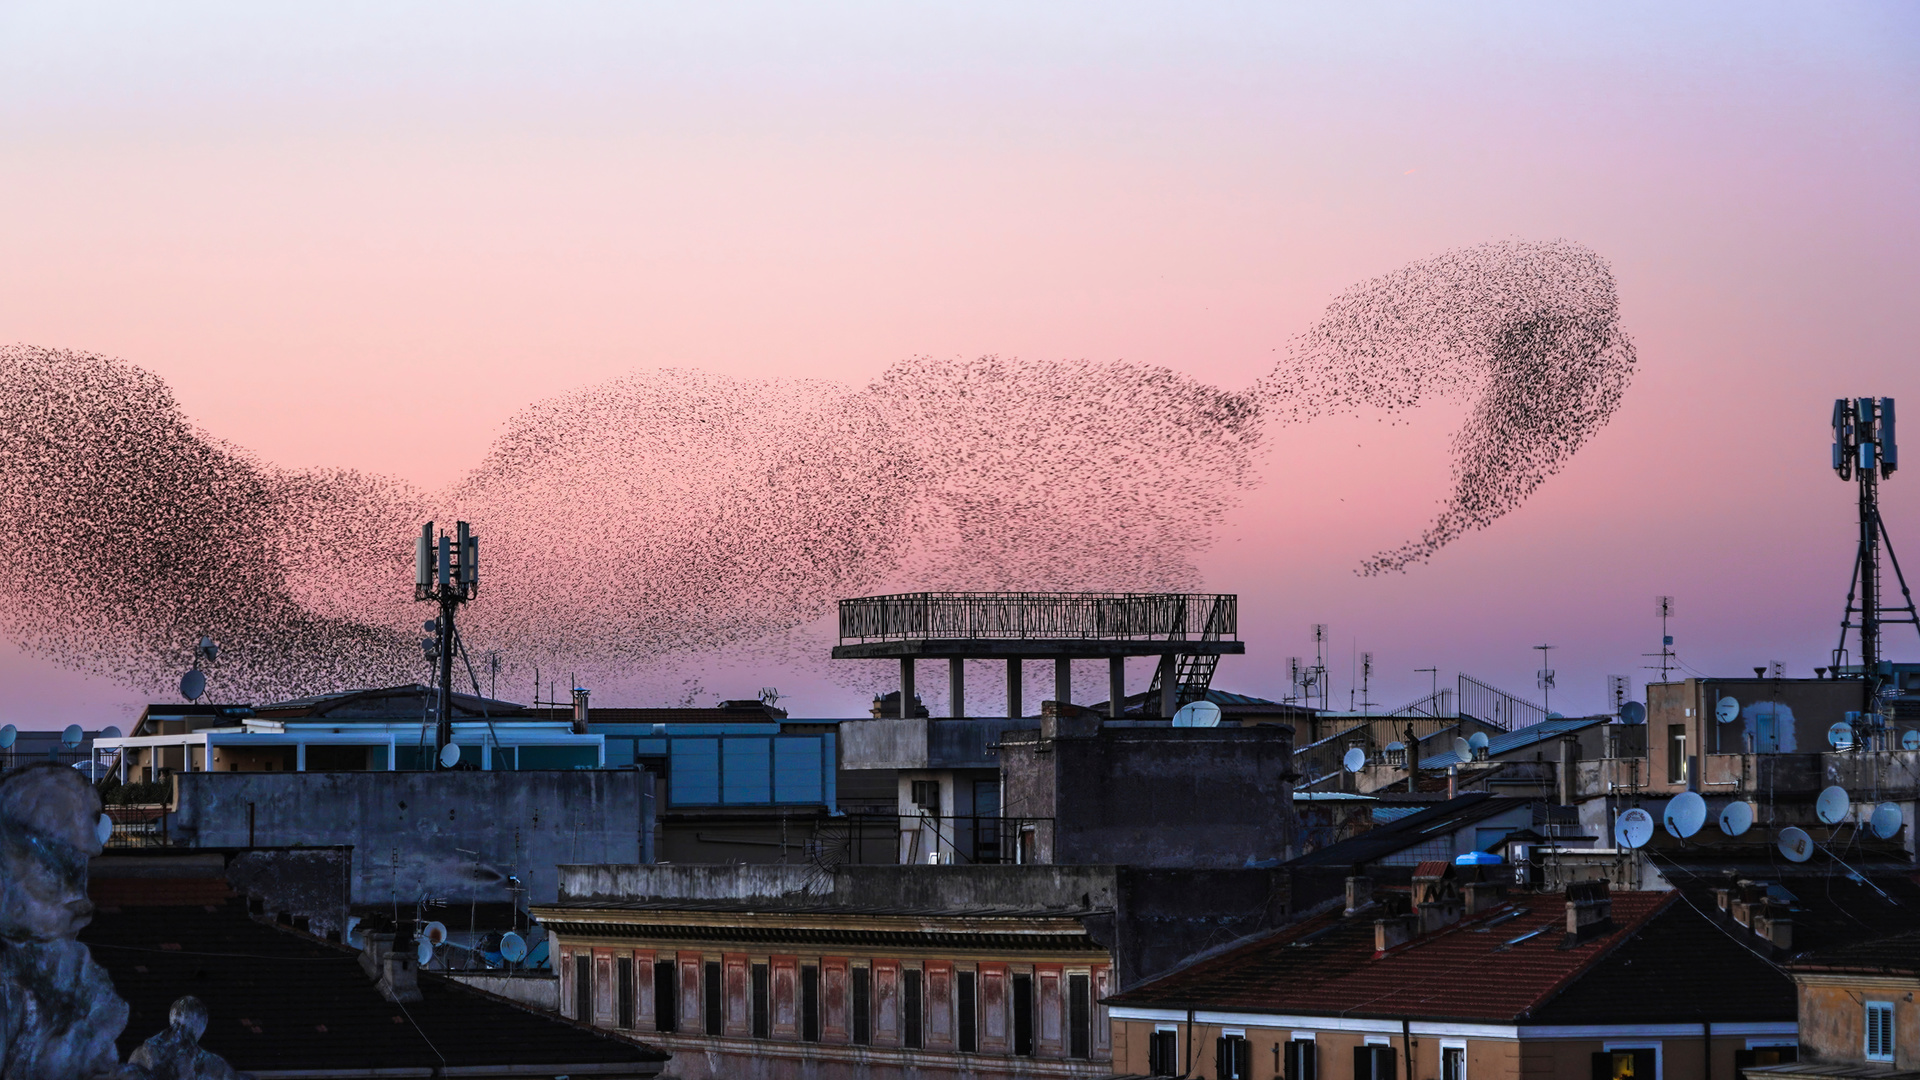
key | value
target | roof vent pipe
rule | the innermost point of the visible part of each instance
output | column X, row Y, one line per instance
column 579, row 711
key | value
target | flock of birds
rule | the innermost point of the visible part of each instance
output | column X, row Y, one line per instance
column 673, row 513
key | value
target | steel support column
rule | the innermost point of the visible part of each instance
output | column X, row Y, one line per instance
column 1014, row 708
column 906, row 687
column 1169, row 693
column 1116, row 685
column 1063, row 681
column 956, row 688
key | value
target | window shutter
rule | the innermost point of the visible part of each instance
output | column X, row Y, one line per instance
column 1242, row 1059
column 1223, row 1058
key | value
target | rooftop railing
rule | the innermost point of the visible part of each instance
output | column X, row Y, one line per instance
column 1044, row 615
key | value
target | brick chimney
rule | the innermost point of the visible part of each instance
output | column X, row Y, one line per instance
column 1359, row 894
column 1589, row 911
column 1483, row 896
column 1388, row 933
column 389, row 961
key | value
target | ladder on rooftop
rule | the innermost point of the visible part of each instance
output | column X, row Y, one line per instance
column 1193, row 672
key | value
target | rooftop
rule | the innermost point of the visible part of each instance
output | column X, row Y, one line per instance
column 1037, row 625
column 1518, row 739
column 1414, row 828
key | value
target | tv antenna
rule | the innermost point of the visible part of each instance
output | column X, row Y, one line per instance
column 446, row 570
column 1366, row 683
column 1544, row 678
column 1864, row 451
column 1320, row 662
column 769, row 696
column 1665, row 655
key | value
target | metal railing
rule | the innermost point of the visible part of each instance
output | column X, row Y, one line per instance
column 1492, row 705
column 138, row 827
column 922, row 838
column 1016, row 615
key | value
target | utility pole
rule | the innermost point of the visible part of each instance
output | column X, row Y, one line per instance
column 446, row 570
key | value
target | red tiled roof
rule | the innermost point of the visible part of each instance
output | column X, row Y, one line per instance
column 1486, row 968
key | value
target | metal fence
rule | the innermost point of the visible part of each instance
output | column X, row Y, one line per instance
column 1492, row 705
column 1015, row 615
column 921, row 838
column 138, row 827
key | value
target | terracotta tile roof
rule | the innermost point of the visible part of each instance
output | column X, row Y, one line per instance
column 1499, row 966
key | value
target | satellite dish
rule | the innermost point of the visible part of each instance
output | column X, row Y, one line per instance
column 1727, row 711
column 1795, row 844
column 449, row 756
column 435, row 933
column 1396, row 747
column 1355, row 760
column 1840, row 735
column 1477, row 741
column 1633, row 828
column 7, row 735
column 1910, row 740
column 111, row 732
column 513, row 947
column 1197, row 714
column 193, row 684
column 423, row 952
column 104, row 828
column 1462, row 749
column 1832, row 805
column 1686, row 812
column 1736, row 818
column 353, row 932
column 72, row 736
column 1633, row 713
column 1885, row 821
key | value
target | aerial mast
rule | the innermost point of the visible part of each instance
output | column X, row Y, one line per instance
column 1864, row 451
column 446, row 570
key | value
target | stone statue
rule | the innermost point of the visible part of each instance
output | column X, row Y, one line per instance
column 175, row 1053
column 59, row 1016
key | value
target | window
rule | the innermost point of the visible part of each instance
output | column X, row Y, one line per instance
column 910, row 1028
column 583, row 987
column 762, row 1003
column 1879, row 1031
column 926, row 795
column 1373, row 1062
column 1300, row 1061
column 1626, row 1063
column 1453, row 1062
column 1676, row 753
column 1079, row 1016
column 714, row 999
column 1163, row 1053
column 1233, row 1057
column 666, row 998
column 969, row 1009
column 623, row 992
column 810, row 1002
column 1023, row 1015
column 862, row 1006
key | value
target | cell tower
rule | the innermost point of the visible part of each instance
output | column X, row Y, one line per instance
column 1864, row 451
column 446, row 571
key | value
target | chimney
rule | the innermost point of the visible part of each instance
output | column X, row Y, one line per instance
column 579, row 711
column 1436, row 895
column 389, row 961
column 1359, row 893
column 1483, row 895
column 1589, row 911
column 1388, row 933
column 1777, row 930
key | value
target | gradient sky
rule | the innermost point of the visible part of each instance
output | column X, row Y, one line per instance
column 365, row 235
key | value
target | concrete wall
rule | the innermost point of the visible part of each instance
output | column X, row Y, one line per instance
column 535, row 989
column 408, row 829
column 946, row 888
column 1155, row 797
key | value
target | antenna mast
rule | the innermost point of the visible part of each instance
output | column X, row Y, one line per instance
column 446, row 571
column 1864, row 451
column 1544, row 680
column 1666, row 654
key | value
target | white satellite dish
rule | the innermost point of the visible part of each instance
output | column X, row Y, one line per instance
column 72, row 736
column 1840, row 735
column 1462, row 749
column 1795, row 844
column 1885, row 821
column 435, row 933
column 513, row 947
column 1686, row 812
column 111, row 732
column 352, row 935
column 193, row 684
column 1396, row 747
column 104, row 829
column 1832, row 805
column 1910, row 740
column 423, row 952
column 1736, row 818
column 1633, row 828
column 1197, row 714
column 449, row 756
column 1477, row 742
column 1727, row 711
column 1355, row 760
column 7, row 735
column 1633, row 713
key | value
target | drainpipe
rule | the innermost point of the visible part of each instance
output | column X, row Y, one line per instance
column 1188, row 1071
column 1406, row 1044
column 1706, row 1027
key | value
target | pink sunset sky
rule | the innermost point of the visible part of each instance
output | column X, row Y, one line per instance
column 366, row 235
